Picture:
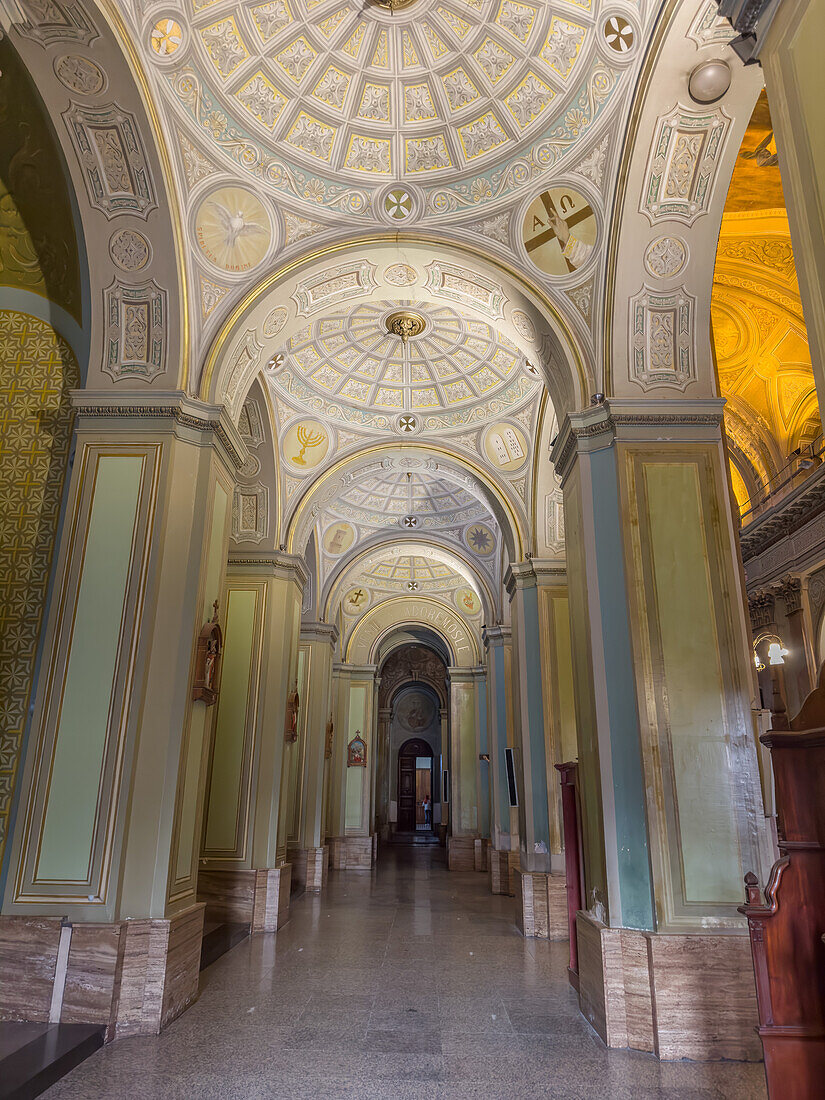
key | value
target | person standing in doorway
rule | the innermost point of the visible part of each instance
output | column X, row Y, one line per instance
column 428, row 809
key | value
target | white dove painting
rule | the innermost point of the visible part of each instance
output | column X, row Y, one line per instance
column 233, row 229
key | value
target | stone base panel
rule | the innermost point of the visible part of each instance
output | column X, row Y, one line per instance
column 310, row 868
column 461, row 853
column 503, row 865
column 481, row 850
column 679, row 996
column 541, row 905
column 132, row 976
column 259, row 898
column 352, row 853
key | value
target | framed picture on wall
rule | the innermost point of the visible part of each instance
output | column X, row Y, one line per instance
column 357, row 752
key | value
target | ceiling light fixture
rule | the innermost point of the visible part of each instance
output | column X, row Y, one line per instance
column 405, row 324
column 709, row 81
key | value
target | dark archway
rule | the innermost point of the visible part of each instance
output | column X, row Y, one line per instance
column 414, row 782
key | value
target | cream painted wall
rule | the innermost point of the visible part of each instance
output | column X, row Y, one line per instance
column 357, row 779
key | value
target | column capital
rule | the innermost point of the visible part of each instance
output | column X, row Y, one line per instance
column 161, row 411
column 462, row 675
column 549, row 572
column 358, row 671
column 789, row 591
column 761, row 606
column 276, row 564
column 319, row 632
column 674, row 420
column 493, row 636
column 519, row 575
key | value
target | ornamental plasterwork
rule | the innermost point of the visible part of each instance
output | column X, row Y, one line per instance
column 136, row 330
column 682, row 165
column 322, row 101
column 661, row 340
column 347, row 366
column 108, row 145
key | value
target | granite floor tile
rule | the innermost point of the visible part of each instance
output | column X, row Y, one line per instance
column 408, row 982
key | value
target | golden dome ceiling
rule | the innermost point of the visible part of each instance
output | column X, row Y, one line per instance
column 349, row 366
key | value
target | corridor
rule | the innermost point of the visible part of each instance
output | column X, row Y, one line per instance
column 407, row 981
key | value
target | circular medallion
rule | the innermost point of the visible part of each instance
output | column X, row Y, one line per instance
column 79, row 74
column 275, row 321
column 523, row 325
column 407, row 424
column 409, row 522
column 400, row 275
column 397, row 204
column 129, row 250
column 338, row 538
column 505, row 446
column 666, row 257
column 480, row 539
column 412, row 586
column 559, row 231
column 356, row 601
column 251, row 467
column 618, row 34
column 305, row 446
column 415, row 711
column 467, row 601
column 166, row 37
column 276, row 362
column 233, row 229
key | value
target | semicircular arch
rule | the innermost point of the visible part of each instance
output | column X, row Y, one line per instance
column 381, row 620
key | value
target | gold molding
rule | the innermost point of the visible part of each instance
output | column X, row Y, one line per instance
column 429, row 600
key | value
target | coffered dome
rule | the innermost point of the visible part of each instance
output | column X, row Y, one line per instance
column 333, row 101
column 351, row 367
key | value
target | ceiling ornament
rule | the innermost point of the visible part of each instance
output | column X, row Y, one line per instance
column 349, row 368
column 419, row 112
column 406, row 324
column 559, row 231
column 233, row 229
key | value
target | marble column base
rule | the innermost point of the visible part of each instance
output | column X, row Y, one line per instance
column 134, row 977
column 481, row 850
column 679, row 996
column 499, row 860
column 257, row 897
column 541, row 905
column 310, row 867
column 461, row 853
column 352, row 853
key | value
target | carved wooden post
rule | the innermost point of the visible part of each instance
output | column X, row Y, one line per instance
column 572, row 859
column 787, row 928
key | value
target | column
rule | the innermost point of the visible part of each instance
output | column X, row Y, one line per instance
column 503, row 817
column 463, row 742
column 482, row 842
column 384, row 769
column 242, row 876
column 110, row 818
column 444, row 763
column 798, row 679
column 351, row 838
column 310, row 857
column 671, row 806
column 540, row 895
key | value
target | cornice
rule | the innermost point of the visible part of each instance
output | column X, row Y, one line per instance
column 785, row 518
column 172, row 406
column 496, row 635
column 288, row 566
column 319, row 632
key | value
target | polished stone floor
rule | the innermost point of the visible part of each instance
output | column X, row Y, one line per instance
column 407, row 981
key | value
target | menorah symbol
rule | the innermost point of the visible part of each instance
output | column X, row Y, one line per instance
column 307, row 438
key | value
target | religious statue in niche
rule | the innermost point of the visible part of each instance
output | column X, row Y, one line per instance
column 357, row 752
column 208, row 661
column 291, row 720
column 330, row 733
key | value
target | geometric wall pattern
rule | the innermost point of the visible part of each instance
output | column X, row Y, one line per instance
column 37, row 370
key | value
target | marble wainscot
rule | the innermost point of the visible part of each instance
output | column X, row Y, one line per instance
column 259, row 898
column 132, row 976
column 352, row 853
column 541, row 905
column 461, row 853
column 679, row 996
column 310, row 867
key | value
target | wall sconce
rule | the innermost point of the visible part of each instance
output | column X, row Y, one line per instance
column 776, row 650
